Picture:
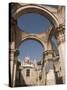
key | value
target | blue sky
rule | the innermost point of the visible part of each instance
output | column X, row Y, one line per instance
column 32, row 23
column 31, row 48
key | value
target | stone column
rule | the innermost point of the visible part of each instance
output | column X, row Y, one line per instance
column 59, row 33
column 11, row 66
column 43, row 71
column 15, row 68
column 49, row 69
column 11, row 51
column 14, row 72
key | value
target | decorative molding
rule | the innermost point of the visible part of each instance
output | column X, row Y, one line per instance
column 59, row 33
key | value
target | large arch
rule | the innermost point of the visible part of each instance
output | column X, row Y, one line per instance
column 32, row 38
column 39, row 43
column 36, row 9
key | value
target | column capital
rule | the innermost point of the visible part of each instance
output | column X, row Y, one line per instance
column 60, row 29
column 12, row 50
column 16, row 52
column 13, row 53
column 48, row 52
column 59, row 33
column 48, row 55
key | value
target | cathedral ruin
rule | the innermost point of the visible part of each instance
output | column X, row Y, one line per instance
column 29, row 73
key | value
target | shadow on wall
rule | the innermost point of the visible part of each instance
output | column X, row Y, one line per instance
column 59, row 80
column 19, row 80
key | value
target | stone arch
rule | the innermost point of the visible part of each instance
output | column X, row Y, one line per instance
column 32, row 38
column 37, row 9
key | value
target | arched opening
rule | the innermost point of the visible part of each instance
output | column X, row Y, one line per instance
column 33, row 23
column 36, row 9
column 30, row 55
column 32, row 48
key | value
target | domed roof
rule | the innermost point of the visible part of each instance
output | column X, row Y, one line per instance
column 27, row 58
